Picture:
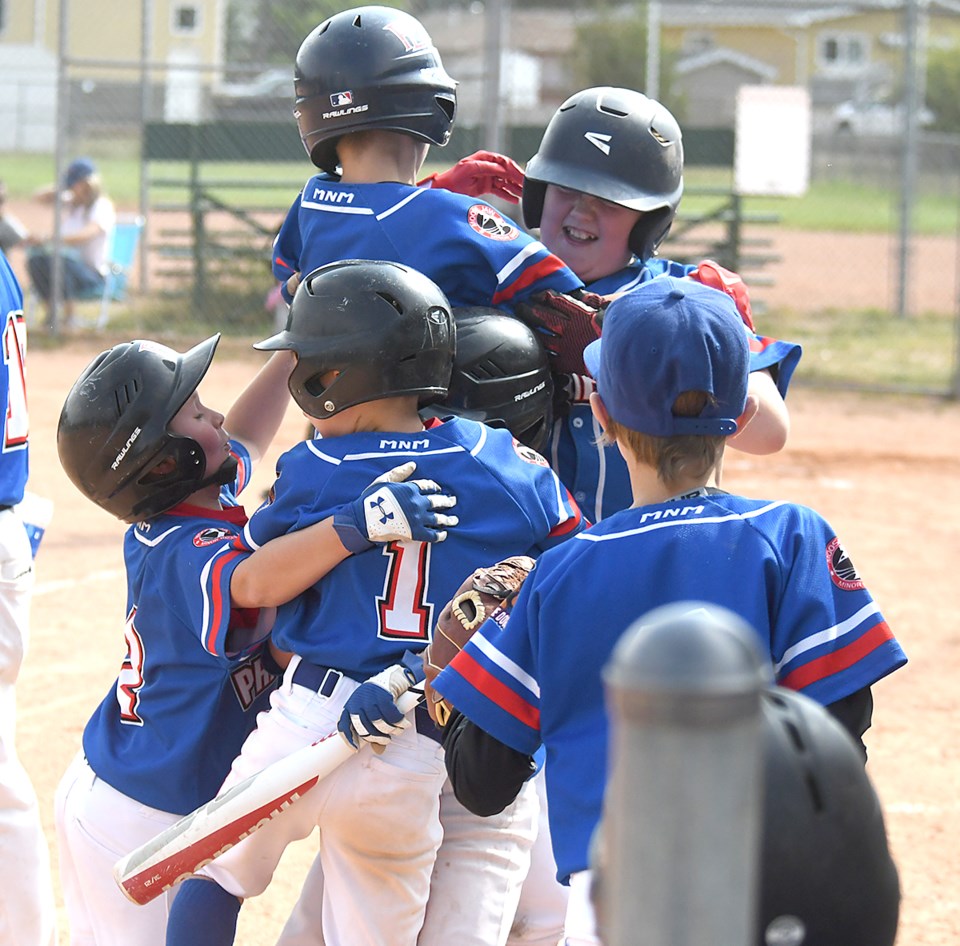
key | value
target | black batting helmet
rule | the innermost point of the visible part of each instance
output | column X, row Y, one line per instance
column 113, row 434
column 501, row 376
column 826, row 875
column 370, row 67
column 385, row 327
column 618, row 145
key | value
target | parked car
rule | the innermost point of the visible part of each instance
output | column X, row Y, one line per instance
column 266, row 96
column 874, row 118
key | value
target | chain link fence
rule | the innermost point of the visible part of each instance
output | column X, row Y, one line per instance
column 207, row 152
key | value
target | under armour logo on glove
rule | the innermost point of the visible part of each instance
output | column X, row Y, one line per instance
column 392, row 510
column 378, row 504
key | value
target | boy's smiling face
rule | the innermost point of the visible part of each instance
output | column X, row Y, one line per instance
column 588, row 233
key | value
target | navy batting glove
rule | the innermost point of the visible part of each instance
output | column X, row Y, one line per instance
column 370, row 713
column 391, row 510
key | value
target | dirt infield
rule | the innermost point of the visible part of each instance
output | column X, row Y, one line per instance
column 881, row 470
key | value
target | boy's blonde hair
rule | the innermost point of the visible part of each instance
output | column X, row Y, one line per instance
column 687, row 456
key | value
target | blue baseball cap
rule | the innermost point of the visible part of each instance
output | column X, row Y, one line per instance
column 78, row 170
column 665, row 337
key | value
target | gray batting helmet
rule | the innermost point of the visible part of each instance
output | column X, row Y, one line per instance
column 616, row 144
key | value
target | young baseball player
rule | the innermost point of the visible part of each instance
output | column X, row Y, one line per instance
column 27, row 912
column 136, row 439
column 672, row 384
column 603, row 189
column 501, row 378
column 372, row 96
column 374, row 342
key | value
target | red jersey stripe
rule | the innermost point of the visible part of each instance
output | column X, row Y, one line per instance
column 493, row 689
column 219, row 607
column 838, row 660
column 538, row 271
column 568, row 525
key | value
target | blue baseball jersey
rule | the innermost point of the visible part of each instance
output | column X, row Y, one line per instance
column 472, row 252
column 14, row 456
column 177, row 715
column 597, row 475
column 538, row 680
column 370, row 609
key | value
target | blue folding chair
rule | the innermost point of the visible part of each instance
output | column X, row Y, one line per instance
column 121, row 254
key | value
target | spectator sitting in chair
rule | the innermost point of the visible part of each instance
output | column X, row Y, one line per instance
column 87, row 224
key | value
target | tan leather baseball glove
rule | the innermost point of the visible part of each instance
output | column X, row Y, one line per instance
column 487, row 592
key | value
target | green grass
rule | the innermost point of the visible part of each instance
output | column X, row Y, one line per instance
column 870, row 349
column 842, row 206
column 845, row 206
column 257, row 184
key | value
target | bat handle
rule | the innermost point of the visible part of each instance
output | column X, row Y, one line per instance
column 411, row 699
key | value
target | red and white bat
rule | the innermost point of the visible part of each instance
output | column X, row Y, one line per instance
column 196, row 839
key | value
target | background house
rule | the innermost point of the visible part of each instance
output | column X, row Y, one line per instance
column 105, row 64
column 838, row 51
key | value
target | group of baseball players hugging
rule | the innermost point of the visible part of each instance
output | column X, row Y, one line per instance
column 476, row 394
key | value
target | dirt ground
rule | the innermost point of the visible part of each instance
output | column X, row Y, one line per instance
column 882, row 470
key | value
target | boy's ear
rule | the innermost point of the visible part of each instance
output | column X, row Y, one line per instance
column 599, row 410
column 164, row 468
column 749, row 412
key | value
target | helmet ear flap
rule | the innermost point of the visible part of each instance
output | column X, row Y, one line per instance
column 650, row 231
column 531, row 201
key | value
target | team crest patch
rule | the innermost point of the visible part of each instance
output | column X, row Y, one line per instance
column 528, row 454
column 211, row 536
column 487, row 222
column 842, row 572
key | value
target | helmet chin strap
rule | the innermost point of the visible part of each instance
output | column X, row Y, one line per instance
column 225, row 473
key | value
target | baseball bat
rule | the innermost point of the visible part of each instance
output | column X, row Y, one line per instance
column 197, row 838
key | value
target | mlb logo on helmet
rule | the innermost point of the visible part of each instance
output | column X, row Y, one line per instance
column 339, row 99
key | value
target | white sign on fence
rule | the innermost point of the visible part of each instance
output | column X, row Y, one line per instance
column 772, row 150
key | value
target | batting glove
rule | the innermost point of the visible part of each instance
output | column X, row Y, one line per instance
column 391, row 510
column 370, row 714
column 717, row 277
column 484, row 172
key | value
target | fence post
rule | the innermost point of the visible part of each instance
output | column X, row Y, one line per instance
column 199, row 223
column 734, row 231
column 675, row 857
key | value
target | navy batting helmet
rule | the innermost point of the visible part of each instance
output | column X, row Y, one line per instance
column 385, row 327
column 826, row 874
column 370, row 67
column 501, row 376
column 113, row 436
column 618, row 145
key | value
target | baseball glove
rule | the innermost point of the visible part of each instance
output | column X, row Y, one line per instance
column 567, row 323
column 488, row 592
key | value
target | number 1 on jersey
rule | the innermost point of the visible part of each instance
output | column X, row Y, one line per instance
column 403, row 609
